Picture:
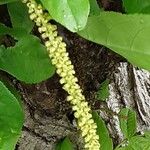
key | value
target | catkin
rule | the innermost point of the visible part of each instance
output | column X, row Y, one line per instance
column 60, row 58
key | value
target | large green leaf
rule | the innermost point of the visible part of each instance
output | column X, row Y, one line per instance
column 25, row 62
column 72, row 14
column 28, row 60
column 64, row 145
column 127, row 122
column 136, row 143
column 128, row 35
column 104, row 139
column 137, row 6
column 11, row 119
column 6, row 1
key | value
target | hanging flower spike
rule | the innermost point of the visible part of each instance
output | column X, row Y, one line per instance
column 60, row 58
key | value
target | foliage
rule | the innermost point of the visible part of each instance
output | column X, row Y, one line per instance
column 104, row 139
column 72, row 14
column 11, row 119
column 136, row 143
column 128, row 122
column 128, row 126
column 128, row 35
column 27, row 62
column 103, row 91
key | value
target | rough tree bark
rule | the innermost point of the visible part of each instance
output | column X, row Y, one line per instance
column 129, row 87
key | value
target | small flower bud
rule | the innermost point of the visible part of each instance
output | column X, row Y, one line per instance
column 62, row 81
column 47, row 44
column 69, row 98
column 33, row 16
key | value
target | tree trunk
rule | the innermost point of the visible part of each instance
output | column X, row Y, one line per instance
column 129, row 87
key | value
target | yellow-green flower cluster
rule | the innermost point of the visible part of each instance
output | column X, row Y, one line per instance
column 60, row 58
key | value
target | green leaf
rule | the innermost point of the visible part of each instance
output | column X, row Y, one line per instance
column 136, row 143
column 11, row 119
column 72, row 14
column 20, row 18
column 28, row 60
column 103, row 91
column 64, row 145
column 28, row 63
column 104, row 139
column 94, row 8
column 136, row 6
column 127, row 35
column 128, row 122
column 6, row 1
